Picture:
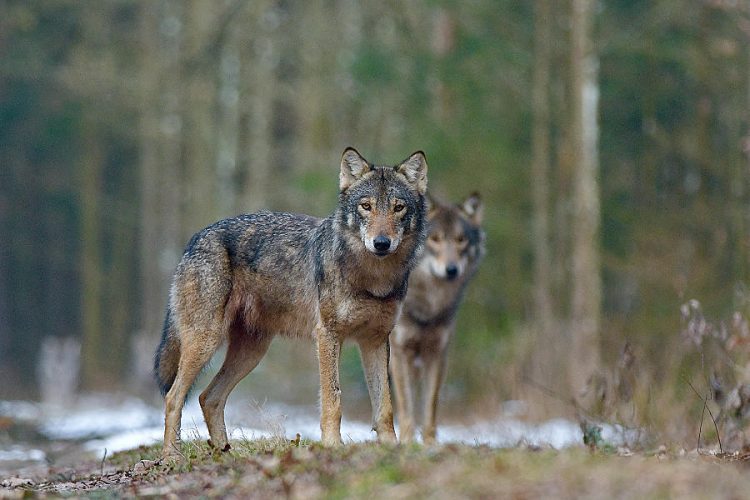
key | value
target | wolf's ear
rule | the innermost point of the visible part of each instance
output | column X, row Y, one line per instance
column 414, row 168
column 472, row 208
column 431, row 204
column 353, row 167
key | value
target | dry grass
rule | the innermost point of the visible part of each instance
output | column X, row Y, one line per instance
column 273, row 467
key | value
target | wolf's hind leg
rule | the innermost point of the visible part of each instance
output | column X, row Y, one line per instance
column 195, row 351
column 244, row 352
column 375, row 363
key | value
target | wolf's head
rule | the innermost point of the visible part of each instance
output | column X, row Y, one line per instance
column 454, row 237
column 383, row 205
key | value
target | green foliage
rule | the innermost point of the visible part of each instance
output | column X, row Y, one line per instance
column 673, row 124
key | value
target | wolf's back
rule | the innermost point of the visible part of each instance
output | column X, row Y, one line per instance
column 269, row 244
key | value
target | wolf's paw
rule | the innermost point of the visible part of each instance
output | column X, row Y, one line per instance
column 171, row 454
column 406, row 436
column 429, row 438
column 332, row 441
column 171, row 458
column 387, row 437
column 224, row 448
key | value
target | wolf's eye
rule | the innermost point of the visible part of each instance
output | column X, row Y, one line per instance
column 398, row 207
column 435, row 238
column 460, row 238
column 365, row 206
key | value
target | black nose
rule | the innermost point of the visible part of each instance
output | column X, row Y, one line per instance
column 451, row 271
column 381, row 243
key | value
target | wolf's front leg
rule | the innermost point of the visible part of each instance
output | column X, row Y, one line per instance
column 329, row 350
column 375, row 362
column 404, row 377
column 434, row 369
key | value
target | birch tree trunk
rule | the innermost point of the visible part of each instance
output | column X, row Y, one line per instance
column 586, row 280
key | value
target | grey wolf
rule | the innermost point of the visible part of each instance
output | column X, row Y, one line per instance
column 246, row 279
column 454, row 248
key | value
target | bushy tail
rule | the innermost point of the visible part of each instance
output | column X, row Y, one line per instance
column 167, row 356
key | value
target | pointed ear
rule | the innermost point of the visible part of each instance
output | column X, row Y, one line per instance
column 431, row 204
column 353, row 167
column 414, row 168
column 472, row 208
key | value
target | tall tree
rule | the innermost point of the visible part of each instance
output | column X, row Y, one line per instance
column 160, row 142
column 540, row 166
column 151, row 279
column 544, row 359
column 198, row 86
column 259, row 61
column 90, row 186
column 586, row 279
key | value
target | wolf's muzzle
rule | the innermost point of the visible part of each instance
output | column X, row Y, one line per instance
column 382, row 244
column 451, row 271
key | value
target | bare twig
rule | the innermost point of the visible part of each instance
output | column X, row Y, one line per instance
column 700, row 427
column 104, row 457
column 580, row 412
column 710, row 413
column 549, row 392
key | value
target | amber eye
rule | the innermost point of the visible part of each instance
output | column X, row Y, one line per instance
column 398, row 207
column 365, row 206
column 460, row 238
column 435, row 238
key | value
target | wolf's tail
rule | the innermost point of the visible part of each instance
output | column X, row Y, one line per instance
column 167, row 356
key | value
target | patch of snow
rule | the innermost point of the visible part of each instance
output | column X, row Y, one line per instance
column 100, row 417
column 25, row 411
column 21, row 454
column 118, row 423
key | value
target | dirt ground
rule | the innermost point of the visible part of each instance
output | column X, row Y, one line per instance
column 276, row 468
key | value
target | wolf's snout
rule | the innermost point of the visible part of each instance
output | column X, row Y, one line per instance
column 451, row 271
column 382, row 243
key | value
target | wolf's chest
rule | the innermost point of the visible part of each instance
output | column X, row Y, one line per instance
column 357, row 316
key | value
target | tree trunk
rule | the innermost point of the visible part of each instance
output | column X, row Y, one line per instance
column 171, row 181
column 540, row 167
column 151, row 279
column 161, row 179
column 258, row 92
column 314, row 98
column 586, row 281
column 198, row 100
column 5, row 259
column 91, row 260
column 227, row 123
column 545, row 365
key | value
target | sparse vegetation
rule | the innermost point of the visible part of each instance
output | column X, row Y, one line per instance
column 273, row 467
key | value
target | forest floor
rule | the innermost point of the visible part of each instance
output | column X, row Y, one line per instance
column 276, row 467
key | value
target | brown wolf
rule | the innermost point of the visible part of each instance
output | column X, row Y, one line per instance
column 249, row 278
column 454, row 248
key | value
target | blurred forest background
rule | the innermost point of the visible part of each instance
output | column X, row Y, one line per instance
column 609, row 140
